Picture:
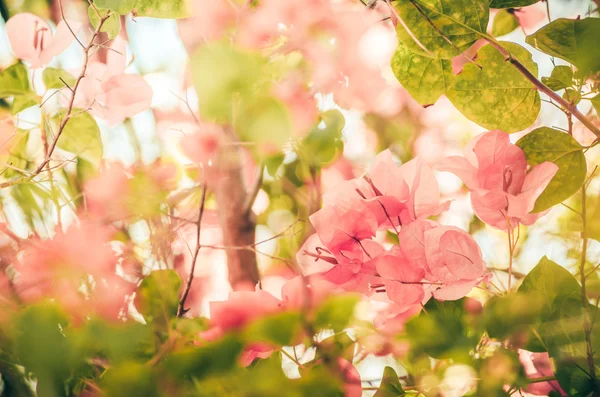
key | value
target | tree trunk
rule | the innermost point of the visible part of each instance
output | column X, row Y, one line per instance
column 237, row 221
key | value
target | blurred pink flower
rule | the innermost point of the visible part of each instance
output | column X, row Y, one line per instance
column 110, row 93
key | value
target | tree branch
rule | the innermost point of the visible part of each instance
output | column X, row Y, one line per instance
column 569, row 107
column 181, row 310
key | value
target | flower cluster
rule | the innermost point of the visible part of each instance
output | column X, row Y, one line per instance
column 430, row 260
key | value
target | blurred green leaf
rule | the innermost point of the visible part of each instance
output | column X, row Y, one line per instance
column 497, row 95
column 220, row 80
column 547, row 144
column 212, row 358
column 14, row 81
column 390, row 385
column 425, row 78
column 462, row 20
column 23, row 102
column 441, row 331
column 508, row 315
column 81, row 135
column 511, row 3
column 148, row 8
column 42, row 347
column 265, row 121
column 280, row 329
column 112, row 26
column 574, row 40
column 52, row 78
column 324, row 142
column 596, row 103
column 129, row 379
column 338, row 345
column 336, row 312
column 504, row 23
column 157, row 296
column 560, row 78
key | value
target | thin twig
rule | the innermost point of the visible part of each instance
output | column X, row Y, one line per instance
column 188, row 285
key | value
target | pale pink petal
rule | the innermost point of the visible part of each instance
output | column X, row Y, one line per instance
column 387, row 177
column 124, row 96
column 28, row 36
column 536, row 181
column 490, row 207
column 462, row 168
column 454, row 291
column 352, row 381
column 61, row 41
column 424, row 188
column 116, row 60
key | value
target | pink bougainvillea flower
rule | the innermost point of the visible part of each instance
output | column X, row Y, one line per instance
column 202, row 145
column 209, row 21
column 455, row 260
column 538, row 365
column 395, row 195
column 301, row 104
column 503, row 190
column 300, row 292
column 110, row 93
column 401, row 278
column 241, row 308
column 341, row 231
column 78, row 269
column 32, row 40
column 351, row 378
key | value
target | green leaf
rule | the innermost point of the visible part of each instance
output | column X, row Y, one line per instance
column 199, row 362
column 324, row 142
column 220, row 79
column 441, row 331
column 118, row 342
column 148, row 8
column 574, row 40
column 504, row 23
column 390, row 384
column 464, row 21
column 546, row 144
column 508, row 315
column 129, row 379
column 497, row 96
column 52, row 78
column 23, row 102
column 560, row 78
column 511, row 3
column 42, row 348
column 338, row 345
column 265, row 121
column 81, row 135
column 423, row 77
column 336, row 312
column 14, row 81
column 550, row 281
column 157, row 296
column 112, row 26
column 279, row 329
column 17, row 157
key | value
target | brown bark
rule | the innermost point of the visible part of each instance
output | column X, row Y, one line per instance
column 236, row 219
